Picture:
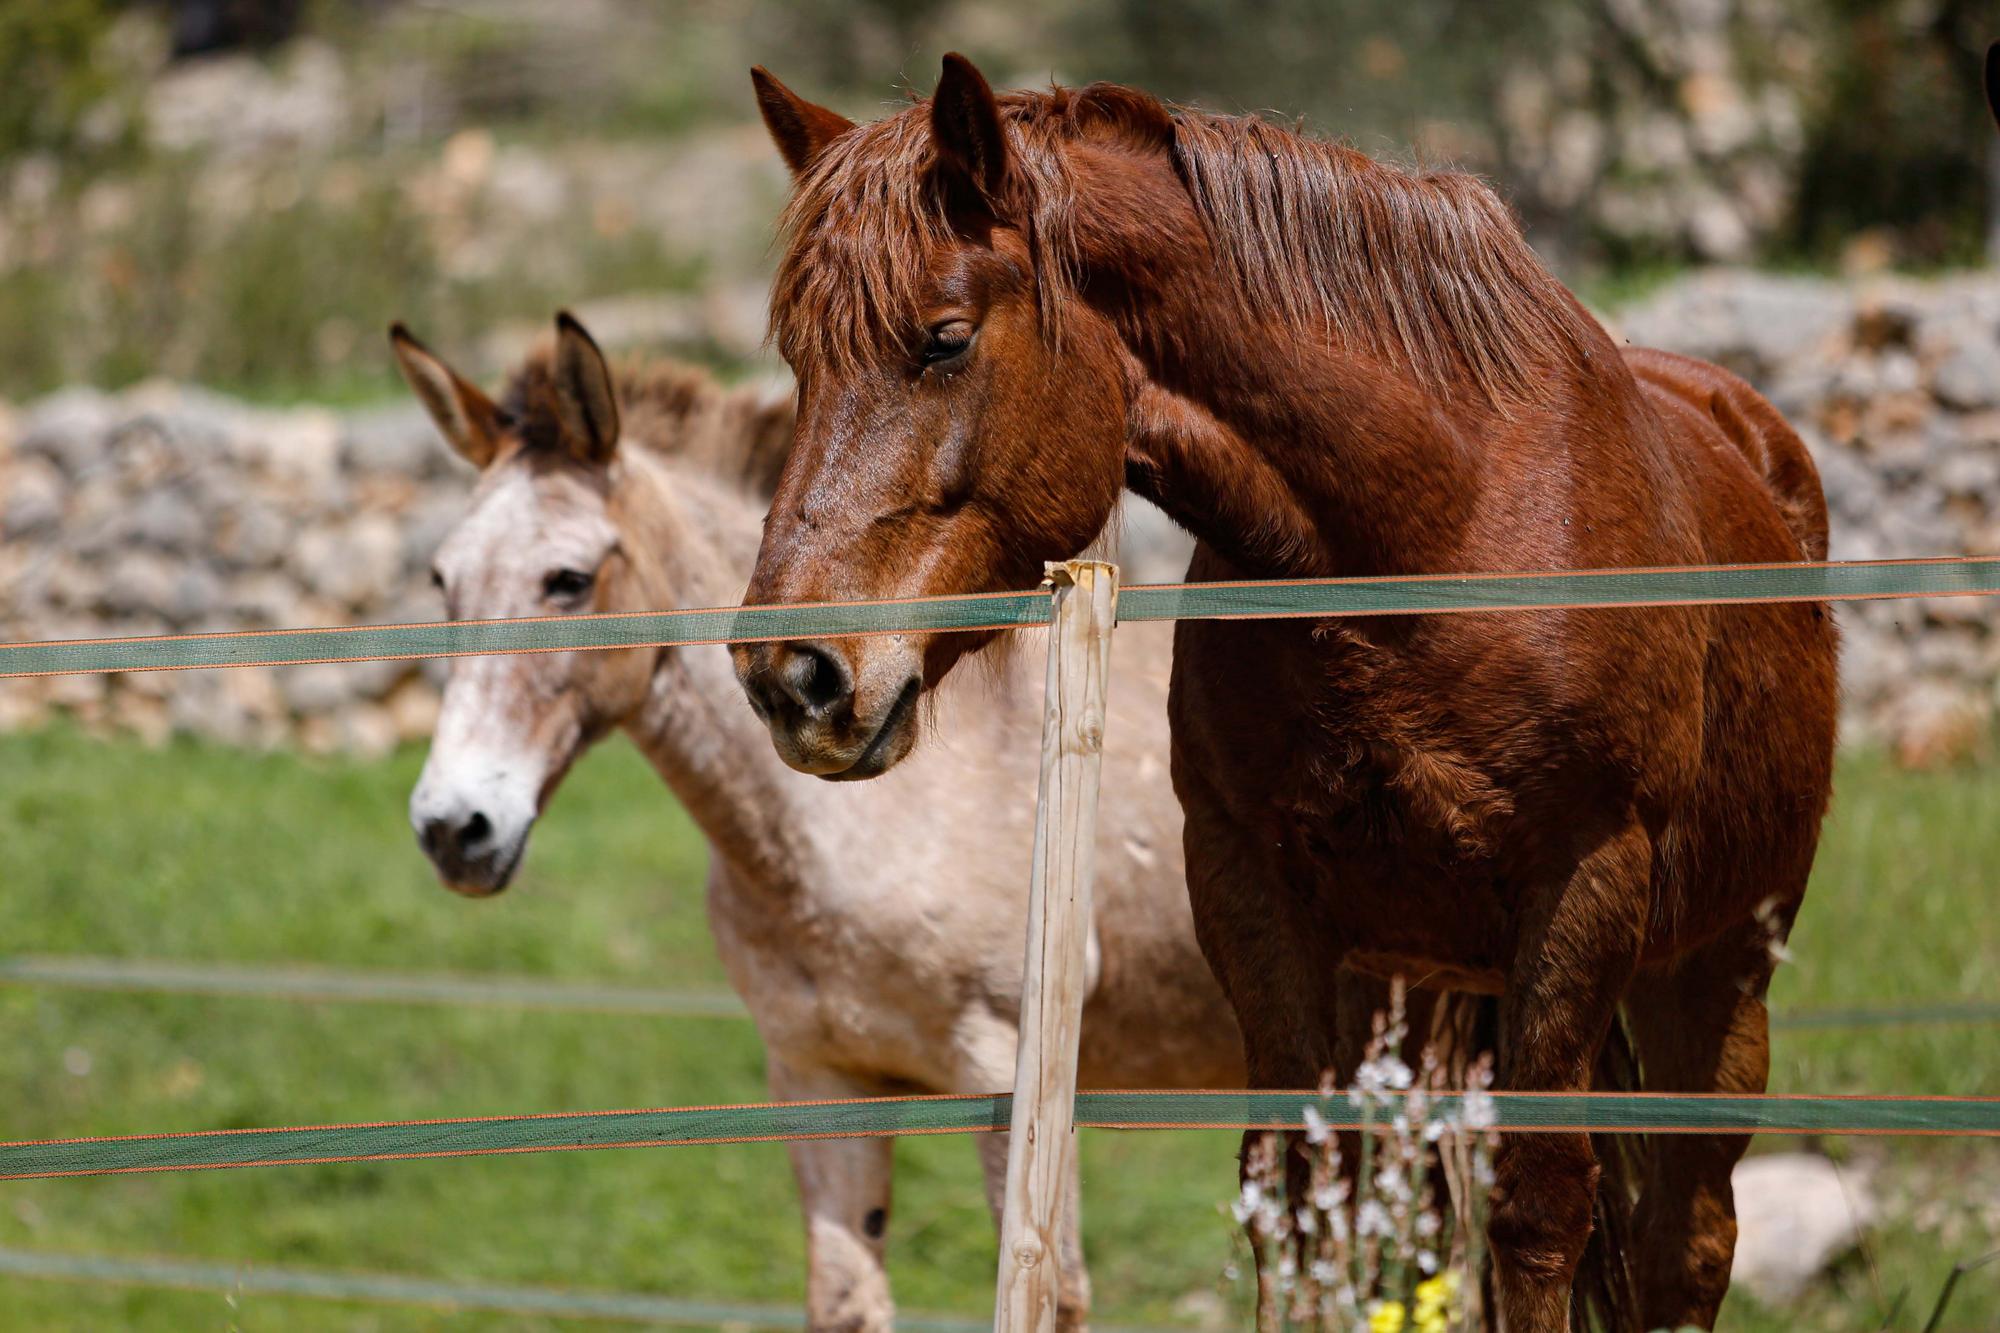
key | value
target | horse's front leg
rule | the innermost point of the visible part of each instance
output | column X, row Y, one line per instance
column 1579, row 943
column 844, row 1187
column 1257, row 930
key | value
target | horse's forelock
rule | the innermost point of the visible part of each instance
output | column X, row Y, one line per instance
column 865, row 222
column 1427, row 269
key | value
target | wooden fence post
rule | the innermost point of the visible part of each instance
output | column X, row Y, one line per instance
column 1044, row 1140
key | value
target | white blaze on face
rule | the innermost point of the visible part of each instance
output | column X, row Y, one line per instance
column 510, row 724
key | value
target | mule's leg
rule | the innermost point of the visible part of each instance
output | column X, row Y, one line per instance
column 1579, row 943
column 1073, row 1288
column 1699, row 1028
column 844, row 1188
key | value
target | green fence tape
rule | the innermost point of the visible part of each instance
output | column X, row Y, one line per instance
column 314, row 984
column 395, row 1289
column 1596, row 1112
column 1711, row 584
column 1330, row 597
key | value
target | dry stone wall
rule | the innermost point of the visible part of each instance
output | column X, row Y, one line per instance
column 167, row 509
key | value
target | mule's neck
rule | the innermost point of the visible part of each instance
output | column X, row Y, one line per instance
column 691, row 541
column 1291, row 452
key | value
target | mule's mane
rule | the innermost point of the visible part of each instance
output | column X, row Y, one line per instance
column 668, row 408
column 1427, row 269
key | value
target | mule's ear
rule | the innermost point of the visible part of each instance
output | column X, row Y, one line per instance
column 800, row 128
column 467, row 418
column 1993, row 81
column 584, row 396
column 965, row 121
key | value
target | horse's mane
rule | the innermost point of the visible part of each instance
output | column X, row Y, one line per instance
column 672, row 410
column 1426, row 268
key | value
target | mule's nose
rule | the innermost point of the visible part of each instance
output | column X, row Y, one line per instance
column 803, row 678
column 453, row 839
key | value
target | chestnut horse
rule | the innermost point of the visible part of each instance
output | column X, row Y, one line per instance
column 1002, row 309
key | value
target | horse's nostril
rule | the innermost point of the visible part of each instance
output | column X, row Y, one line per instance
column 814, row 679
column 474, row 831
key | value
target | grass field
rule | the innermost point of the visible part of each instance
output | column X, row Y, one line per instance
column 197, row 853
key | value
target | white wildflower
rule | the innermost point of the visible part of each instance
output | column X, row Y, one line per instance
column 1316, row 1127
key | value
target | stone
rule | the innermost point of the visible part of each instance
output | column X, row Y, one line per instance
column 238, row 105
column 70, row 427
column 399, row 439
column 425, row 525
column 366, row 730
column 22, row 705
column 357, row 564
column 1795, row 1214
column 31, row 498
column 413, row 708
column 1753, row 323
column 1969, row 379
column 164, row 519
column 315, row 689
column 266, row 599
column 139, row 582
column 302, row 445
column 1933, row 724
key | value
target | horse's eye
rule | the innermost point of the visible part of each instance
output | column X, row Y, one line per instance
column 567, row 584
column 947, row 342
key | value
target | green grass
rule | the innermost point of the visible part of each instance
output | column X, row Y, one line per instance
column 194, row 852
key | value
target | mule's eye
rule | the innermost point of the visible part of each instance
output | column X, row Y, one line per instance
column 947, row 342
column 567, row 584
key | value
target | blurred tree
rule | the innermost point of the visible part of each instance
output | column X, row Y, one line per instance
column 50, row 73
column 1899, row 133
column 201, row 26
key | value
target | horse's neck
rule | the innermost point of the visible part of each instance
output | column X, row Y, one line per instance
column 1295, row 460
column 1289, row 452
column 694, row 548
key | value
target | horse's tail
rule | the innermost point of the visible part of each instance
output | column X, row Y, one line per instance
column 1605, row 1295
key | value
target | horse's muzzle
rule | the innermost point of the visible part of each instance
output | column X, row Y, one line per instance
column 820, row 722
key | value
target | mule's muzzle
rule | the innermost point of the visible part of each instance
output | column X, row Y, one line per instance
column 820, row 724
column 469, row 857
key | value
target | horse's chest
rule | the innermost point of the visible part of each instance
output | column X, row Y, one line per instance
column 844, row 989
column 1330, row 738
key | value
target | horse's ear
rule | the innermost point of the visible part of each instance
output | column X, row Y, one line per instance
column 1993, row 81
column 965, row 121
column 584, row 397
column 467, row 418
column 800, row 128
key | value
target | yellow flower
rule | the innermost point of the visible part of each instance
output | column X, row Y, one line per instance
column 1435, row 1299
column 1386, row 1318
